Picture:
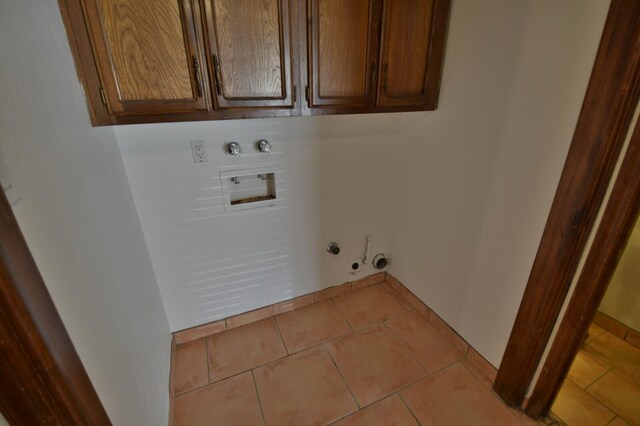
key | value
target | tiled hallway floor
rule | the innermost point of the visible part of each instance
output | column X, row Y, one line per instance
column 361, row 358
column 603, row 385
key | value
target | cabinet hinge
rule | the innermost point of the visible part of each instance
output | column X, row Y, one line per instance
column 103, row 96
column 306, row 93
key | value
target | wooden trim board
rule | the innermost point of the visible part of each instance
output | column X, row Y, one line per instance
column 43, row 379
column 607, row 110
column 617, row 223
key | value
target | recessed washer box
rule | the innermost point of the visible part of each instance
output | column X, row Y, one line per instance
column 248, row 189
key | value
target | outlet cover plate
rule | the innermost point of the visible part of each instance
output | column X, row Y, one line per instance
column 198, row 151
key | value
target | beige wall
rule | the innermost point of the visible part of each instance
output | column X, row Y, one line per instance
column 78, row 217
column 479, row 175
column 458, row 196
column 622, row 300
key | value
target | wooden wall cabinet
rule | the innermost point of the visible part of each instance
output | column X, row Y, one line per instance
column 343, row 52
column 251, row 49
column 178, row 60
column 404, row 57
column 147, row 56
column 375, row 55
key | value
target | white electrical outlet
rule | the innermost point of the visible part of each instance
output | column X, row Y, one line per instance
column 198, row 151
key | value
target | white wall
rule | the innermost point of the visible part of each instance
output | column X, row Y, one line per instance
column 467, row 245
column 211, row 264
column 78, row 217
column 458, row 197
column 622, row 299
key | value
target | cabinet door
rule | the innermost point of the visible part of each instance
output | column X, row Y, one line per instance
column 250, row 44
column 406, row 32
column 343, row 47
column 147, row 56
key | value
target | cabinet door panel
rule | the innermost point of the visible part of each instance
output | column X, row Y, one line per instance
column 343, row 48
column 251, row 52
column 405, row 52
column 147, row 55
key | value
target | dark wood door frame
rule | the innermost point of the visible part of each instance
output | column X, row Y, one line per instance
column 608, row 245
column 43, row 381
column 607, row 111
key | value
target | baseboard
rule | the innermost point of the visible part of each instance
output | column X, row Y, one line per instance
column 617, row 328
column 197, row 332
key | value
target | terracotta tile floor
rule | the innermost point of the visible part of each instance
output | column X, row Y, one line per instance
column 603, row 385
column 362, row 358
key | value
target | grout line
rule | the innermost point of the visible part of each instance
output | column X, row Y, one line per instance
column 376, row 323
column 286, row 356
column 396, row 298
column 341, row 314
column 236, row 374
column 328, row 352
column 594, row 380
column 592, row 397
column 477, row 374
column 491, row 392
column 286, row 349
column 404, row 344
column 255, row 386
column 408, row 408
column 206, row 351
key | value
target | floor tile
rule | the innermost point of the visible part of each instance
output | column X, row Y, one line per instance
column 368, row 305
column 455, row 397
column 620, row 394
column 388, row 412
column 191, row 370
column 617, row 353
column 484, row 368
column 231, row 402
column 586, row 369
column 374, row 363
column 448, row 332
column 617, row 422
column 243, row 348
column 303, row 389
column 574, row 406
column 399, row 297
column 593, row 332
column 430, row 347
column 311, row 325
